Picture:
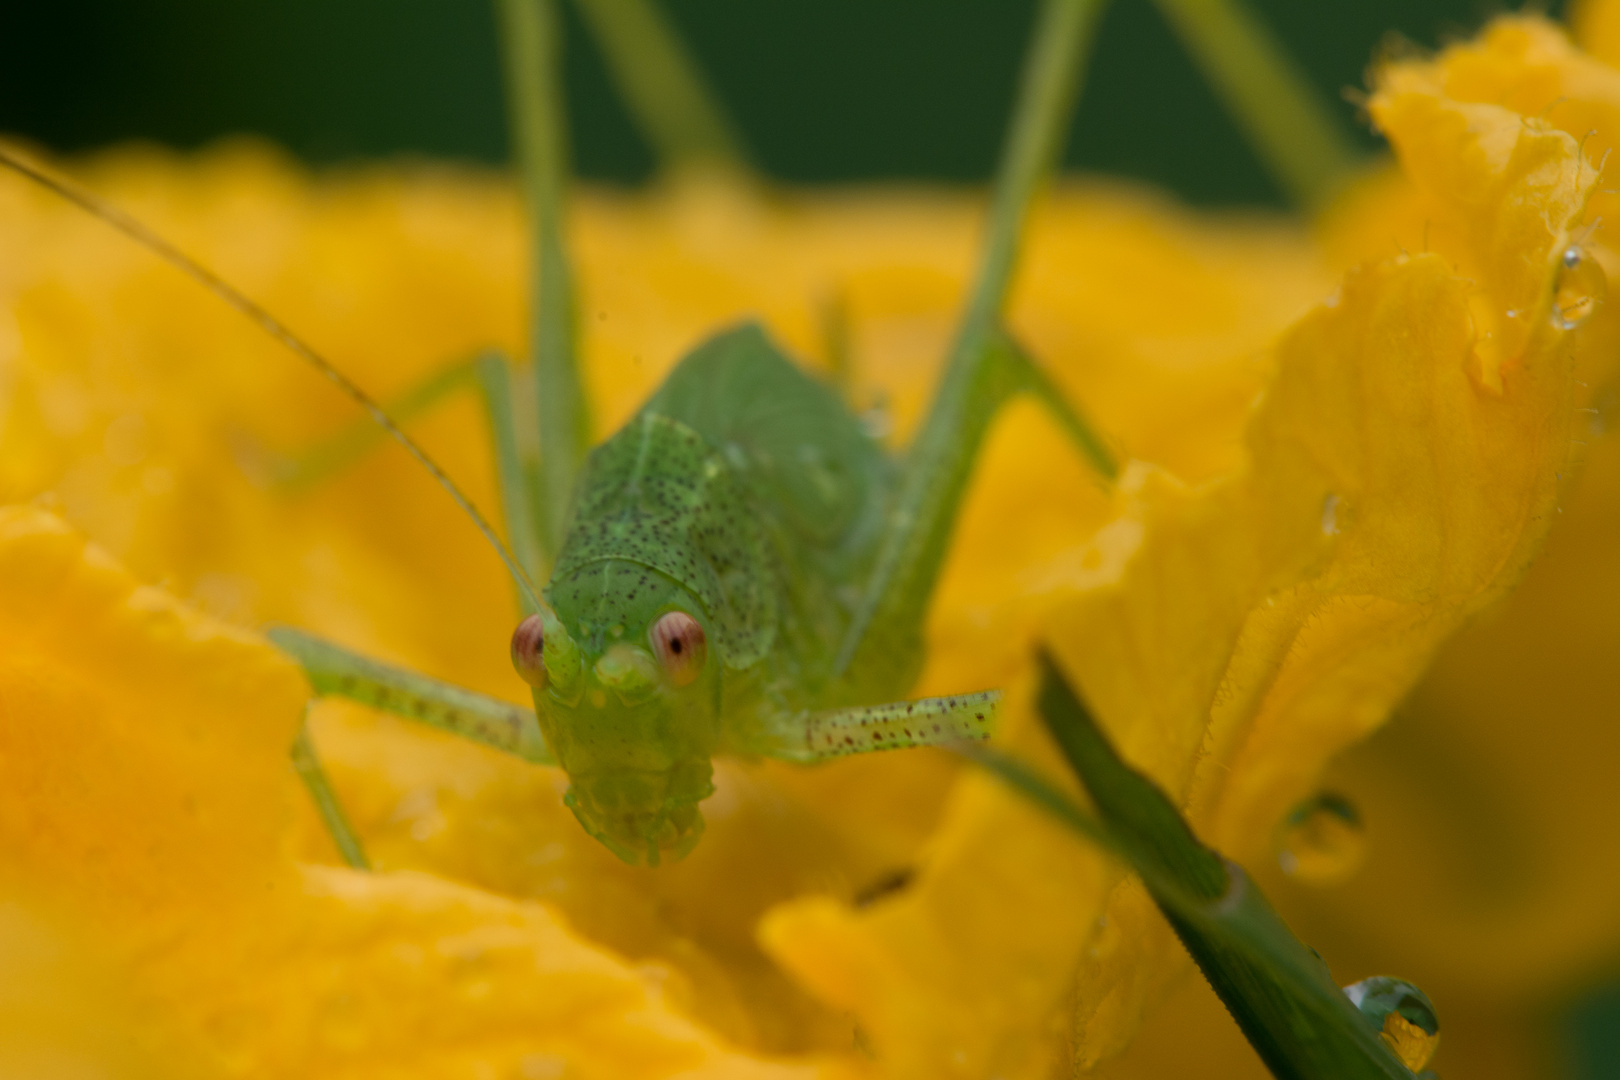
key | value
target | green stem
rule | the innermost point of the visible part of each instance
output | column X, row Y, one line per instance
column 663, row 86
column 1292, row 128
column 530, row 37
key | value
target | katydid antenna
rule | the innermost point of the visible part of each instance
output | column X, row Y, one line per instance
column 273, row 326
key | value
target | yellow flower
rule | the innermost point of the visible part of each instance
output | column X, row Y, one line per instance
column 148, row 796
column 1497, row 771
column 155, row 457
column 1261, row 589
column 1400, row 473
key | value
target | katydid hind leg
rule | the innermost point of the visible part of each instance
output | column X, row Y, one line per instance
column 531, row 38
column 882, row 650
column 886, row 633
column 516, row 468
column 1030, row 378
column 884, row 640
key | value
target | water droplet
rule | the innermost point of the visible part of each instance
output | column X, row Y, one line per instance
column 1581, row 287
column 1605, row 406
column 877, row 421
column 1403, row 1015
column 1323, row 841
column 1330, row 516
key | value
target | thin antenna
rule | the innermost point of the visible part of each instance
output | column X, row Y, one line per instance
column 276, row 329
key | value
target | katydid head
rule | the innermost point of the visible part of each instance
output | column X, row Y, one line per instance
column 627, row 693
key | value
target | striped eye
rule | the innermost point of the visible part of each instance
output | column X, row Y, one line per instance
column 528, row 641
column 679, row 644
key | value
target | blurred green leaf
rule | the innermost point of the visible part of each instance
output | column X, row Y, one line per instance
column 1280, row 992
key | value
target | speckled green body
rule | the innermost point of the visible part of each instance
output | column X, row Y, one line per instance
column 747, row 495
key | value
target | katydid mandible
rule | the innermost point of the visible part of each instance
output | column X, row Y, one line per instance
column 742, row 568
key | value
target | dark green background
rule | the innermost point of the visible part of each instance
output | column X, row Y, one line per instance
column 824, row 90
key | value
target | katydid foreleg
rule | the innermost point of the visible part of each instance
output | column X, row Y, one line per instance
column 1029, row 378
column 307, row 764
column 896, row 725
column 335, row 671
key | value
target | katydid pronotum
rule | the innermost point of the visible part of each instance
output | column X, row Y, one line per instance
column 742, row 568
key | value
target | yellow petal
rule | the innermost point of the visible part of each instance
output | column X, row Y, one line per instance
column 146, row 791
column 394, row 274
column 143, row 761
column 65, row 1012
column 1486, row 793
column 1401, row 472
column 1597, row 27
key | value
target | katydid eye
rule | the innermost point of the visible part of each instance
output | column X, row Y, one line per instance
column 679, row 644
column 528, row 641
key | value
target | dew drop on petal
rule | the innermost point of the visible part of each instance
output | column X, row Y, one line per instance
column 877, row 422
column 1323, row 841
column 1330, row 516
column 1605, row 406
column 1581, row 287
column 1402, row 1014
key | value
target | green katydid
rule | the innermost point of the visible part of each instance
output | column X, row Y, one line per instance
column 740, row 569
